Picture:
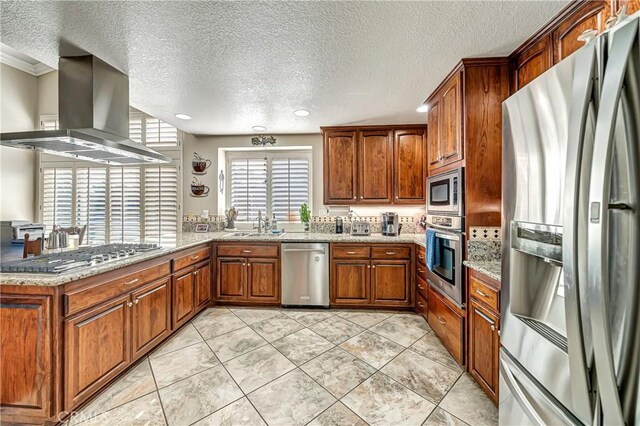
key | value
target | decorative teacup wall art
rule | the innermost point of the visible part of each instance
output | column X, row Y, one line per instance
column 200, row 164
column 198, row 189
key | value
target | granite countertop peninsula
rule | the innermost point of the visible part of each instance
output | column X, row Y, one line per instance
column 186, row 240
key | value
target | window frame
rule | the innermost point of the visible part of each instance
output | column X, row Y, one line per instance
column 259, row 153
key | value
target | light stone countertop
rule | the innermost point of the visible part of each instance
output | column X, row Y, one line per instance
column 490, row 268
column 186, row 240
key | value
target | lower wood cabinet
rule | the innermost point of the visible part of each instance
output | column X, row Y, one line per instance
column 97, row 348
column 263, row 280
column 350, row 282
column 203, row 285
column 390, row 282
column 191, row 290
column 448, row 324
column 151, row 316
column 484, row 347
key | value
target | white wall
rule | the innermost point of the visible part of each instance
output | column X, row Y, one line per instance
column 18, row 106
column 47, row 94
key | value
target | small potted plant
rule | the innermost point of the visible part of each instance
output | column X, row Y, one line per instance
column 305, row 215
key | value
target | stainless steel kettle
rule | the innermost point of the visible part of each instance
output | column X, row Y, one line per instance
column 57, row 239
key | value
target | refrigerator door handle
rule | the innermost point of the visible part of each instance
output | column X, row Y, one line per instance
column 578, row 155
column 598, row 238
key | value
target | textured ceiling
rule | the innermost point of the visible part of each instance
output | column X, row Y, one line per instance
column 233, row 65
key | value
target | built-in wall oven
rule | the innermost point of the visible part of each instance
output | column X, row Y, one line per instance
column 445, row 201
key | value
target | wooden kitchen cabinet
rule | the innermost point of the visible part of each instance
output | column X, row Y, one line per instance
column 632, row 6
column 484, row 347
column 96, row 348
column 340, row 167
column 532, row 62
column 203, row 285
column 410, row 166
column 451, row 119
column 151, row 316
column 447, row 322
column 375, row 167
column 231, row 278
column 433, row 135
column 375, row 164
column 350, row 282
column 373, row 275
column 591, row 16
column 263, row 280
column 183, row 297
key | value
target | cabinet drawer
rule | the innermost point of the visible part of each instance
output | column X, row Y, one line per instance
column 77, row 300
column 421, row 255
column 390, row 252
column 446, row 323
column 421, row 270
column 237, row 250
column 421, row 305
column 421, row 287
column 191, row 258
column 483, row 293
column 351, row 252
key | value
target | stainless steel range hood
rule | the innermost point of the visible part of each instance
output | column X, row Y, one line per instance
column 93, row 106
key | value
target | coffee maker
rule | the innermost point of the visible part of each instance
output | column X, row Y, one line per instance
column 390, row 225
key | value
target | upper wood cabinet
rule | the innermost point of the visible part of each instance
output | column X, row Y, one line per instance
column 532, row 62
column 410, row 168
column 444, row 121
column 340, row 167
column 433, row 135
column 375, row 171
column 632, row 5
column 591, row 16
column 375, row 165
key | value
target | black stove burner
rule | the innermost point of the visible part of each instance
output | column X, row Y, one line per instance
column 56, row 263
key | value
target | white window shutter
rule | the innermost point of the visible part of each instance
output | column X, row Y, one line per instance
column 91, row 203
column 124, row 204
column 57, row 197
column 135, row 128
column 249, row 187
column 289, row 187
column 161, row 204
column 160, row 134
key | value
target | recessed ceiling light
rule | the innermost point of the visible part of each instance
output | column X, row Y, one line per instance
column 423, row 108
column 182, row 116
column 301, row 112
column 259, row 128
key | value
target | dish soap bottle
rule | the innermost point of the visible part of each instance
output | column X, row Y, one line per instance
column 274, row 224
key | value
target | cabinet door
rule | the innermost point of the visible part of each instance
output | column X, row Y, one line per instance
column 410, row 166
column 350, row 282
column 340, row 167
column 203, row 285
column 433, row 134
column 263, row 280
column 232, row 280
column 96, row 348
column 375, row 167
column 183, row 298
column 451, row 121
column 151, row 316
column 533, row 62
column 565, row 38
column 391, row 282
column 484, row 346
column 632, row 5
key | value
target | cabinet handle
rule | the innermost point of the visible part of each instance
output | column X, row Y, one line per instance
column 195, row 272
column 354, row 198
column 420, row 270
column 486, row 318
column 481, row 293
column 351, row 252
column 247, row 251
column 195, row 257
column 493, row 327
column 244, row 264
column 391, row 253
column 133, row 281
column 129, row 304
column 374, row 266
column 368, row 266
column 136, row 301
column 420, row 305
column 420, row 287
column 441, row 321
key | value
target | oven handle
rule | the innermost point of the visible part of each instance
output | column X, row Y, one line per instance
column 451, row 237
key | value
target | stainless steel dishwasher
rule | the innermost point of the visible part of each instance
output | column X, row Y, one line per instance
column 305, row 274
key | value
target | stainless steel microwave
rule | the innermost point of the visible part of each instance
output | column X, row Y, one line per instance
column 445, row 193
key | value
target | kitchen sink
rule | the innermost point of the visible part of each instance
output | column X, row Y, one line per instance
column 238, row 234
column 254, row 235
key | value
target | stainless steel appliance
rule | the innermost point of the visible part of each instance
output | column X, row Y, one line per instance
column 56, row 263
column 571, row 226
column 305, row 274
column 360, row 229
column 57, row 239
column 93, row 107
column 339, row 225
column 390, row 224
column 447, row 276
column 445, row 193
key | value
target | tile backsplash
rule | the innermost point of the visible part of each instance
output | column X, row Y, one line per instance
column 484, row 244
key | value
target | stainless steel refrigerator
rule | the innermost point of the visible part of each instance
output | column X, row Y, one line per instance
column 570, row 329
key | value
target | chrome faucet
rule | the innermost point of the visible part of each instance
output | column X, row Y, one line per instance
column 263, row 223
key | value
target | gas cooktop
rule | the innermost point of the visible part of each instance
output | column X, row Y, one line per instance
column 56, row 263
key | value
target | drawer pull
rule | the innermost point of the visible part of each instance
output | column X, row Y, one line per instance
column 420, row 287
column 196, row 257
column 481, row 293
column 420, row 305
column 391, row 253
column 441, row 321
column 351, row 252
column 486, row 318
column 133, row 281
column 247, row 251
column 421, row 271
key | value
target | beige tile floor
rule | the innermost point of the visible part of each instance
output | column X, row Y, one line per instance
column 241, row 366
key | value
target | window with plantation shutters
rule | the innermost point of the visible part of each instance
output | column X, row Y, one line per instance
column 160, row 204
column 57, row 199
column 91, row 203
column 275, row 183
column 124, row 205
column 249, row 187
column 135, row 127
column 289, row 187
column 159, row 134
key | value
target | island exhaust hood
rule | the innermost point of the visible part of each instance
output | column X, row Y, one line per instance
column 93, row 108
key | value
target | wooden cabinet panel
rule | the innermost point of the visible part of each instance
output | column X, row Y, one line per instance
column 263, row 280
column 632, row 5
column 350, row 282
column 484, row 293
column 340, row 167
column 390, row 252
column 421, row 305
column 247, row 250
column 195, row 256
column 447, row 324
column 433, row 133
column 484, row 346
column 410, row 166
column 96, row 348
column 421, row 286
column 391, row 282
column 183, row 298
column 203, row 285
column 533, row 62
column 375, row 167
column 350, row 252
column 25, row 357
column 451, row 121
column 565, row 38
column 232, row 282
column 151, row 316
